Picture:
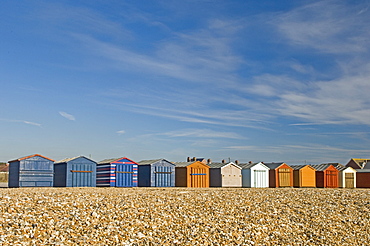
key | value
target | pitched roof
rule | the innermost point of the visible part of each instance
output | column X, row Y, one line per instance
column 71, row 159
column 250, row 165
column 362, row 163
column 30, row 156
column 183, row 163
column 220, row 164
column 273, row 165
column 108, row 161
column 149, row 162
column 4, row 167
column 322, row 167
column 363, row 170
column 300, row 166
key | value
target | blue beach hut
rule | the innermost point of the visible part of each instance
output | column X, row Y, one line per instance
column 75, row 172
column 31, row 171
column 156, row 173
column 117, row 172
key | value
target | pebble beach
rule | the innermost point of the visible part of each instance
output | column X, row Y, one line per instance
column 184, row 216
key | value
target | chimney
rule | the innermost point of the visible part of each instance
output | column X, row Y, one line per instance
column 188, row 159
column 250, row 162
column 223, row 161
column 209, row 161
column 236, row 162
column 194, row 159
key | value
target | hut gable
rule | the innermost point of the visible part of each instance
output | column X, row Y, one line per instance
column 358, row 163
column 347, row 176
column 32, row 157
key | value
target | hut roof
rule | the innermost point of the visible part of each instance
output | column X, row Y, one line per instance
column 71, row 159
column 250, row 165
column 183, row 163
column 322, row 167
column 273, row 165
column 4, row 167
column 299, row 167
column 220, row 164
column 362, row 163
column 108, row 161
column 363, row 170
column 30, row 156
column 149, row 162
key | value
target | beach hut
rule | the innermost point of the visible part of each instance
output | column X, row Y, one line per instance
column 225, row 175
column 304, row 176
column 326, row 175
column 31, row 171
column 117, row 172
column 255, row 175
column 156, row 173
column 347, row 176
column 4, row 174
column 362, row 178
column 75, row 172
column 280, row 174
column 191, row 174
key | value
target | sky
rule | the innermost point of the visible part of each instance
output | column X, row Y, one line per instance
column 272, row 81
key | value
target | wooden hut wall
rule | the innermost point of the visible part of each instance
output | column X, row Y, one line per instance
column 181, row 178
column 31, row 171
column 282, row 176
column 363, row 179
column 215, row 177
column 144, row 175
column 197, row 175
column 256, row 176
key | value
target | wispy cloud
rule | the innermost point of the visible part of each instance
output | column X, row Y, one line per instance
column 121, row 132
column 22, row 121
column 202, row 133
column 67, row 116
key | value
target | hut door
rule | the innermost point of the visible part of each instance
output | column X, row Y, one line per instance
column 284, row 177
column 124, row 175
column 163, row 176
column 198, row 177
column 349, row 180
column 331, row 179
column 259, row 178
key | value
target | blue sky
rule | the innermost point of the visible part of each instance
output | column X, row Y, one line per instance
column 246, row 80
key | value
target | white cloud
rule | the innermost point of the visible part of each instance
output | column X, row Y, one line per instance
column 120, row 132
column 32, row 123
column 201, row 133
column 67, row 116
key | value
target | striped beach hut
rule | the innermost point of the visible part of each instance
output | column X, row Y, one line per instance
column 156, row 173
column 117, row 172
column 75, row 172
column 225, row 175
column 255, row 175
column 191, row 174
column 281, row 175
column 304, row 176
column 326, row 175
column 31, row 171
